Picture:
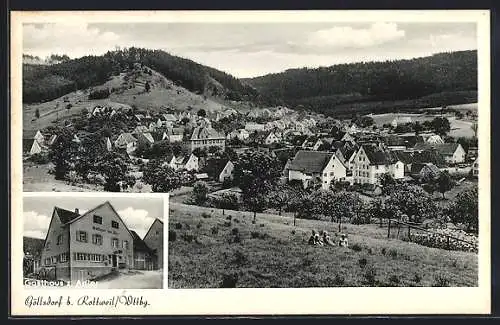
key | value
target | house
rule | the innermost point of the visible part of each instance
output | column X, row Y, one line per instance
column 453, row 153
column 86, row 246
column 434, row 139
column 191, row 163
column 141, row 129
column 266, row 137
column 406, row 158
column 205, row 137
column 240, row 134
column 127, row 142
column 372, row 161
column 144, row 257
column 154, row 240
column 31, row 147
column 145, row 139
column 307, row 166
column 35, row 135
column 400, row 120
column 175, row 134
column 226, row 172
column 424, row 171
column 251, row 127
column 171, row 162
column 475, row 168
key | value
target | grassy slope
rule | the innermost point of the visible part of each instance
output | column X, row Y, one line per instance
column 173, row 96
column 283, row 259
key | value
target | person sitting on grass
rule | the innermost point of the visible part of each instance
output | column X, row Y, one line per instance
column 326, row 239
column 311, row 239
column 343, row 241
column 317, row 240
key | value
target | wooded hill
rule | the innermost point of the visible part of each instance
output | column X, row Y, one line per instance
column 440, row 79
column 43, row 83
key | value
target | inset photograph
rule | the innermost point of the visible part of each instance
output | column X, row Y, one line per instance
column 98, row 242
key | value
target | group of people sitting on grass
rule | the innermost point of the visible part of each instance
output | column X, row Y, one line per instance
column 323, row 238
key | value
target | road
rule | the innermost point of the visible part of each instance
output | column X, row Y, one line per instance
column 136, row 280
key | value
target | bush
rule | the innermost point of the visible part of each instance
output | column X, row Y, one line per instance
column 370, row 276
column 236, row 220
column 293, row 232
column 227, row 224
column 356, row 248
column 441, row 281
column 393, row 253
column 417, row 278
column 239, row 257
column 99, row 94
column 384, row 251
column 229, row 217
column 205, row 215
column 229, row 280
column 235, row 231
column 40, row 158
column 307, row 261
column 214, row 230
column 362, row 262
column 394, row 280
column 338, row 280
column 199, row 225
column 188, row 237
column 257, row 235
column 172, row 235
column 262, row 225
column 178, row 225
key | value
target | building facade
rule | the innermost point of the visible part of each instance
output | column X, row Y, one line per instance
column 154, row 240
column 87, row 246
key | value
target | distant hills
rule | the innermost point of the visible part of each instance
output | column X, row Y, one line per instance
column 440, row 79
column 47, row 82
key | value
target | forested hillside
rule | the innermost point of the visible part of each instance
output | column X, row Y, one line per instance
column 42, row 83
column 323, row 88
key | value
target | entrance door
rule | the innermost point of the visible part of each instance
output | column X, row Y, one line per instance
column 114, row 261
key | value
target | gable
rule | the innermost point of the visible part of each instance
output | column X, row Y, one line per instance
column 105, row 210
column 157, row 225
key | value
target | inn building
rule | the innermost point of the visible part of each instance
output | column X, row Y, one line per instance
column 86, row 246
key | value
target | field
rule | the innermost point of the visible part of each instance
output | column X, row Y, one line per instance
column 459, row 128
column 274, row 253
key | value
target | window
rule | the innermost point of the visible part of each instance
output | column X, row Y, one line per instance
column 325, row 174
column 157, row 232
column 114, row 224
column 81, row 236
column 114, row 242
column 98, row 219
column 97, row 239
column 47, row 245
column 331, row 173
column 59, row 239
column 47, row 261
column 376, row 167
column 54, row 259
column 125, row 244
column 63, row 257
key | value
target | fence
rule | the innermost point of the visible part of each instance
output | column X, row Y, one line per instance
column 415, row 233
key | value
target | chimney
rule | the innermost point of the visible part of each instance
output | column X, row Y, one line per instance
column 77, row 211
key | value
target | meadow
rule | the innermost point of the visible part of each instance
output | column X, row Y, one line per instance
column 212, row 250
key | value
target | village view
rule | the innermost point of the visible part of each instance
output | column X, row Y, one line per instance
column 391, row 199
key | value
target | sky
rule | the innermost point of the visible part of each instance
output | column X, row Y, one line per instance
column 254, row 49
column 137, row 213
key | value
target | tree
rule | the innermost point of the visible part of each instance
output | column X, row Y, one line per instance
column 202, row 113
column 474, row 129
column 387, row 181
column 444, row 183
column 338, row 205
column 147, row 87
column 200, row 192
column 114, row 169
column 279, row 197
column 410, row 201
column 37, row 113
column 226, row 201
column 417, row 127
column 161, row 177
column 440, row 125
column 297, row 197
column 64, row 153
column 464, row 209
